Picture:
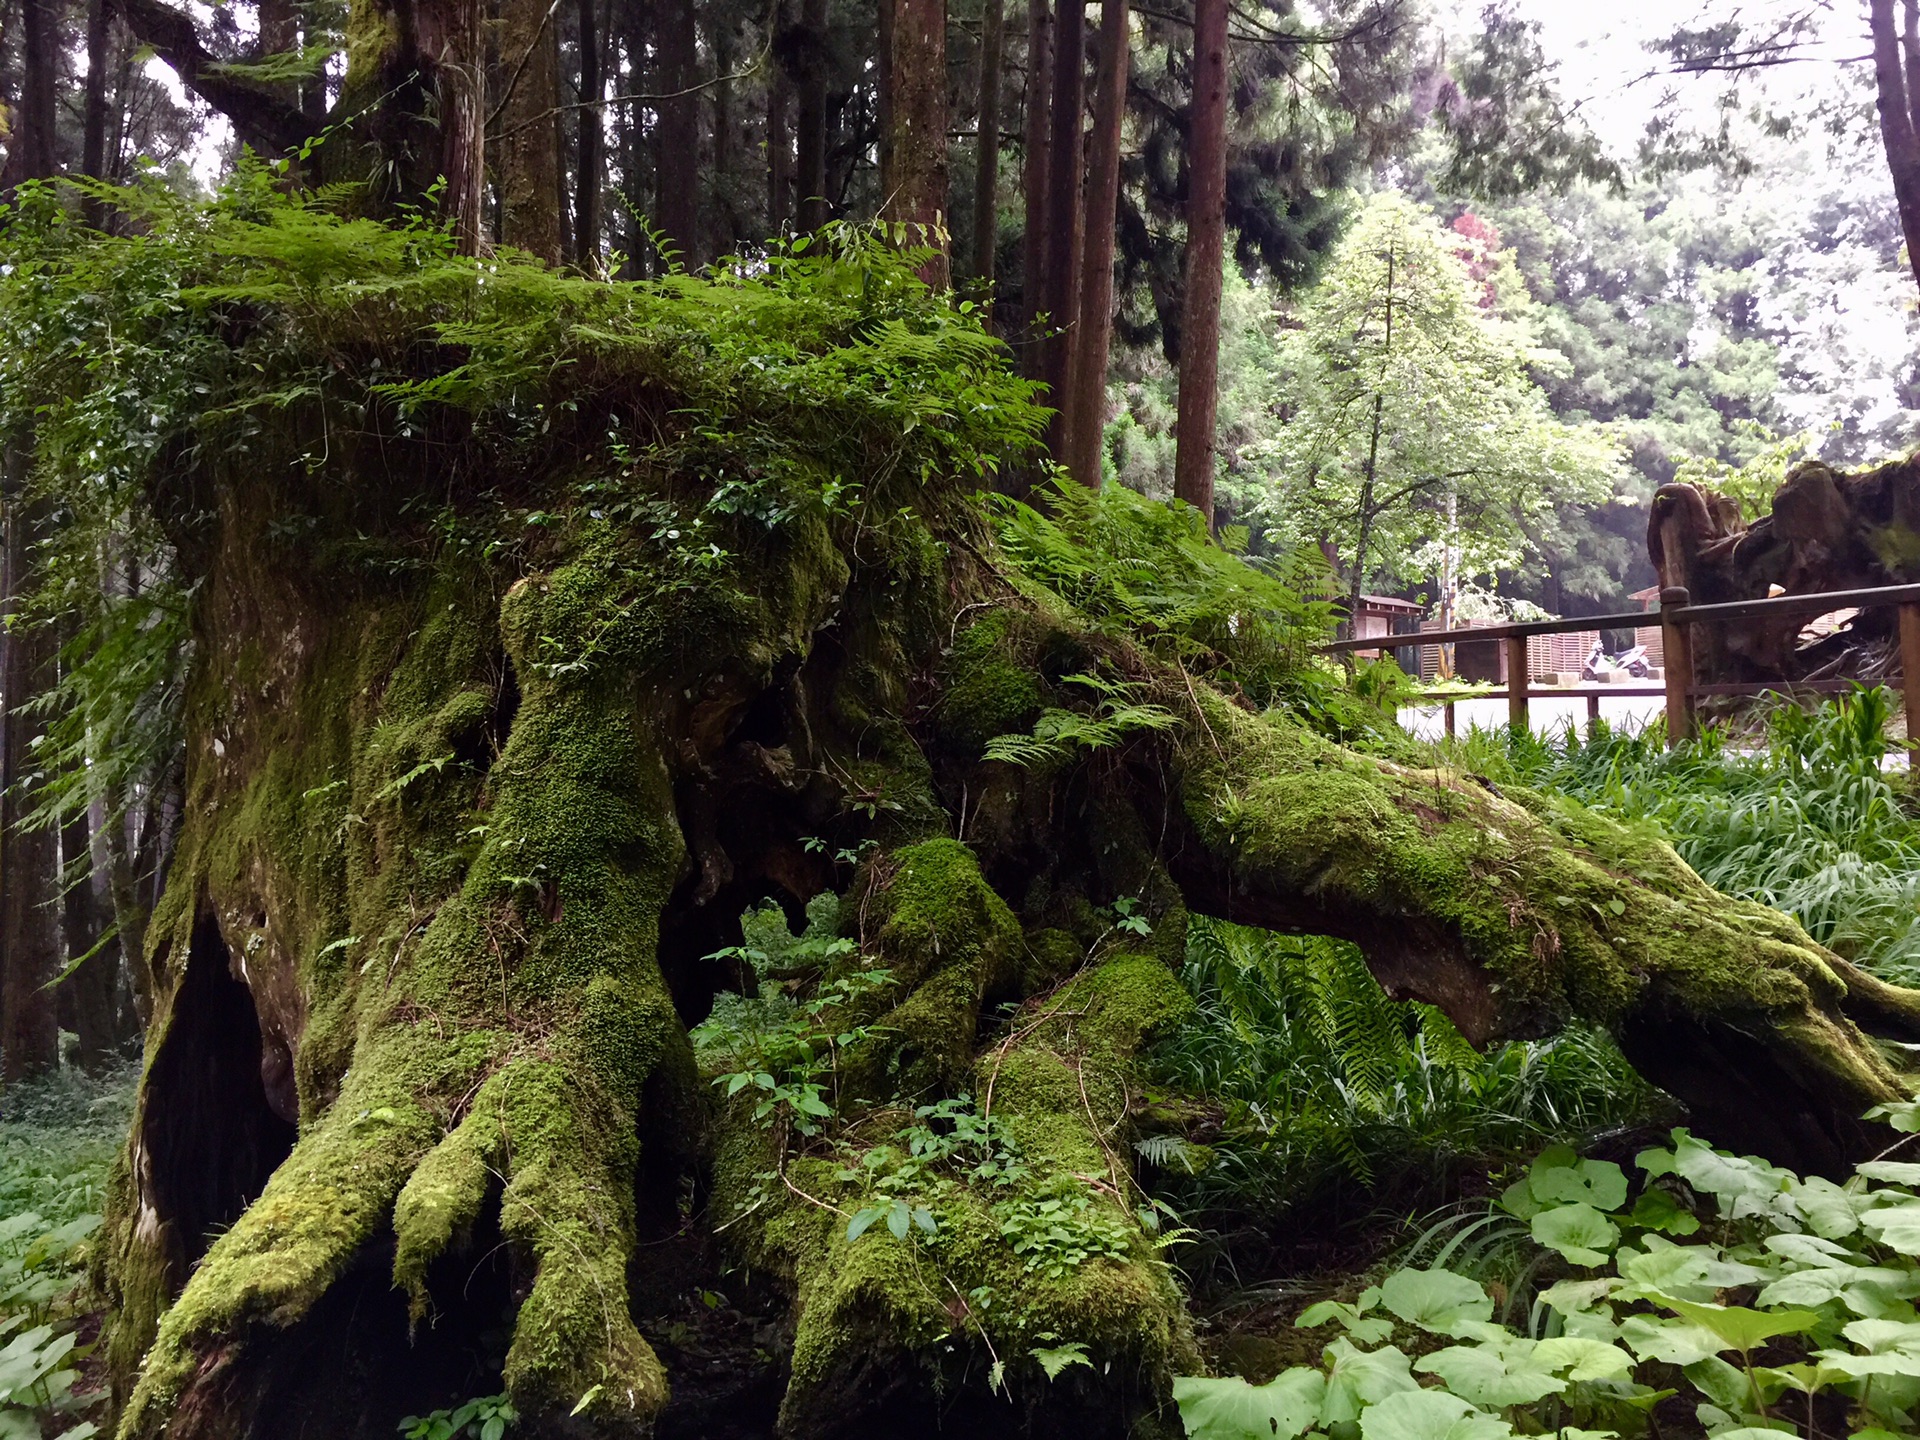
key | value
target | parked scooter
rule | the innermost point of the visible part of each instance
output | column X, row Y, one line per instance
column 1600, row 664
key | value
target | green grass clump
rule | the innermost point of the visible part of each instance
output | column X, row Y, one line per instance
column 1325, row 1086
column 1806, row 821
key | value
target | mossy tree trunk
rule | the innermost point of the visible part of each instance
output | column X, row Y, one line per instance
column 468, row 823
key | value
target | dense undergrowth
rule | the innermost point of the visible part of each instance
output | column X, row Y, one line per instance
column 1801, row 816
column 58, row 1137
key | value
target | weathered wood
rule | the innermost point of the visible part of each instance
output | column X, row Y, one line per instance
column 1910, row 669
column 1517, row 679
column 1676, row 641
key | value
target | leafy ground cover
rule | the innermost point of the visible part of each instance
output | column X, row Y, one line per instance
column 1701, row 1293
column 58, row 1136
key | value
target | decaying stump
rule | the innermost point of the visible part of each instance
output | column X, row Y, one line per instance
column 1826, row 531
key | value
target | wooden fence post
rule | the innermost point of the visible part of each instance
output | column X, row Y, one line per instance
column 1593, row 711
column 1910, row 673
column 1517, row 681
column 1676, row 643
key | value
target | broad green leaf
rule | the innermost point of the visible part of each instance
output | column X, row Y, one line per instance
column 1895, row 1226
column 1599, row 1183
column 1484, row 1376
column 1435, row 1299
column 1720, row 1383
column 1692, row 1272
column 1429, row 1415
column 1676, row 1342
column 1571, row 1296
column 1232, row 1409
column 1740, row 1327
column 1879, row 1335
column 1578, row 1231
column 1583, row 1359
column 1829, row 1210
column 1359, row 1378
column 1367, row 1329
column 1894, row 1172
column 1902, row 1115
column 1657, row 1210
column 1518, row 1200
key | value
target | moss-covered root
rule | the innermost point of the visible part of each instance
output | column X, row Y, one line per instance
column 950, row 946
column 501, row 1058
column 1050, row 1255
column 1517, row 912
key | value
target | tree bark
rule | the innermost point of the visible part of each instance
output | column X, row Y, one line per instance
column 591, row 142
column 95, row 116
column 95, row 984
column 917, row 184
column 30, row 146
column 1087, row 403
column 1065, row 214
column 986, row 182
column 1035, row 181
column 529, row 149
column 1897, row 85
column 810, row 125
column 677, row 141
column 1193, row 463
column 726, row 218
column 779, row 142
column 29, row 937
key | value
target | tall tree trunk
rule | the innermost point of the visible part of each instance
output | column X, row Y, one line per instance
column 1065, row 216
column 590, row 160
column 95, row 120
column 986, row 173
column 129, row 908
column 725, row 236
column 917, row 190
column 529, row 157
column 30, row 146
column 1206, row 245
column 630, row 19
column 677, row 148
column 810, row 127
column 1034, row 180
column 29, row 934
column 1087, row 398
column 1897, row 83
column 779, row 151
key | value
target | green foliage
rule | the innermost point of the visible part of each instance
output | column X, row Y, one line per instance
column 1325, row 1082
column 1148, row 572
column 1059, row 734
column 483, row 1418
column 784, row 1052
column 1416, row 443
column 1808, row 822
column 58, row 1135
column 1801, row 1289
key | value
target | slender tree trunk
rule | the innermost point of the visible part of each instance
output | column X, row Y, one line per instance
column 918, row 185
column 726, row 220
column 810, row 128
column 94, row 984
column 677, row 153
column 779, row 142
column 1034, row 178
column 591, row 142
column 95, row 120
column 1087, row 397
column 1064, row 214
column 529, row 150
column 986, row 182
column 451, row 31
column 129, row 910
column 1206, row 245
column 883, row 92
column 631, row 18
column 1897, row 81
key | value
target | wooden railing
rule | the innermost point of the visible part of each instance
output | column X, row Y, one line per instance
column 1677, row 616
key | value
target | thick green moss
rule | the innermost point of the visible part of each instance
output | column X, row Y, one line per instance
column 992, row 686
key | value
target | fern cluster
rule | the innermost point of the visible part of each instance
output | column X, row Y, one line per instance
column 1326, row 1086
